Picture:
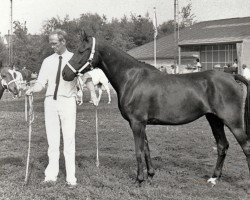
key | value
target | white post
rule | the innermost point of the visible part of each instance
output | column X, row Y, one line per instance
column 155, row 35
column 155, row 52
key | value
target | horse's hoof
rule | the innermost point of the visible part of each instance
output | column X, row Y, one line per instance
column 109, row 102
column 212, row 181
column 140, row 179
column 151, row 174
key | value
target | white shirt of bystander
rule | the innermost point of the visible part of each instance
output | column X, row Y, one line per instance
column 246, row 73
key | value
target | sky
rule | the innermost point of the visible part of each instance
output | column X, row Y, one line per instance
column 36, row 12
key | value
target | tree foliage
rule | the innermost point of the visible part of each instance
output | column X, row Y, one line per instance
column 186, row 19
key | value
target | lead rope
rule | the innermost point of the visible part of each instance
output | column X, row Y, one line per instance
column 29, row 117
column 97, row 139
column 79, row 81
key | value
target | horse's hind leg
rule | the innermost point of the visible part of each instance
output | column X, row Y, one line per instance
column 222, row 144
column 244, row 142
column 150, row 169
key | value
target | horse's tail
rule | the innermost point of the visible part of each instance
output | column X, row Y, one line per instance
column 247, row 102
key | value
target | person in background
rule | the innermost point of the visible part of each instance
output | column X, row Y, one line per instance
column 235, row 63
column 163, row 69
column 231, row 70
column 59, row 108
column 197, row 65
column 235, row 66
column 174, row 69
column 245, row 72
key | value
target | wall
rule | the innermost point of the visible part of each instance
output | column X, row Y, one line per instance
column 245, row 57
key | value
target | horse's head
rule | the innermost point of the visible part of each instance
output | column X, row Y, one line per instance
column 8, row 80
column 83, row 59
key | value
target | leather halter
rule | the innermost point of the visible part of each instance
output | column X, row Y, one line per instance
column 89, row 62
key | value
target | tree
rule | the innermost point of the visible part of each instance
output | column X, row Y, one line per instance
column 25, row 47
column 3, row 52
column 187, row 17
column 142, row 29
column 167, row 28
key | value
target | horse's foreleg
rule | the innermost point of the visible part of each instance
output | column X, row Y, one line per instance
column 108, row 91
column 100, row 93
column 139, row 136
column 222, row 145
column 150, row 169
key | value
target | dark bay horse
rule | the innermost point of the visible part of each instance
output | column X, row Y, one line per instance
column 148, row 96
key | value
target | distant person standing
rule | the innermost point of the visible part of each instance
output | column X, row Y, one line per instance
column 174, row 69
column 197, row 65
column 245, row 72
column 235, row 63
column 235, row 66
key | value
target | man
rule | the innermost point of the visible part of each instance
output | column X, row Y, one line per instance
column 59, row 108
column 245, row 72
column 197, row 67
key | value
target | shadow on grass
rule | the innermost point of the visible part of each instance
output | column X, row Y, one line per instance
column 17, row 161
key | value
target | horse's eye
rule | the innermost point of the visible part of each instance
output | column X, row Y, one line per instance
column 3, row 76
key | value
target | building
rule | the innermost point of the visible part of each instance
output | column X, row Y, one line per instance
column 217, row 43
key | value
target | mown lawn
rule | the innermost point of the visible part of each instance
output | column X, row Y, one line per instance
column 183, row 156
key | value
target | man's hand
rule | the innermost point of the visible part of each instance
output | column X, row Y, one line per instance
column 29, row 92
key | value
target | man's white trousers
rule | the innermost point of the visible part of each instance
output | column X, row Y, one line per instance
column 60, row 114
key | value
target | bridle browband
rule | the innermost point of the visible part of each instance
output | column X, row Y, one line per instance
column 89, row 62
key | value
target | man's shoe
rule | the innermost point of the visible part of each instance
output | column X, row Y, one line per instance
column 48, row 182
column 71, row 185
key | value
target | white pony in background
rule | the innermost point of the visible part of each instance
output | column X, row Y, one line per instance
column 99, row 80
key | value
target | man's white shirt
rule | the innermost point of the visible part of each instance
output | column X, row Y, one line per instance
column 48, row 72
column 246, row 73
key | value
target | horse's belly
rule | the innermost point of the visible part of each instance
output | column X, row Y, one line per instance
column 176, row 114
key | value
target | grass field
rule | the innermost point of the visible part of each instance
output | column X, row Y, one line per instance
column 183, row 157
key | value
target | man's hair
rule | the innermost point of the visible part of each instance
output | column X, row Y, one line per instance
column 62, row 35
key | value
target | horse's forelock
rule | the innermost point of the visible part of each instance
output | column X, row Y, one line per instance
column 12, row 73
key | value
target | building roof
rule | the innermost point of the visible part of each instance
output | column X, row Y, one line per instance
column 217, row 31
column 208, row 32
column 165, row 48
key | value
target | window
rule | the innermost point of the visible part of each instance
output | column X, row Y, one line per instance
column 219, row 55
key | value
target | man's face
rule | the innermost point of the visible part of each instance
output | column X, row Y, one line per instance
column 58, row 46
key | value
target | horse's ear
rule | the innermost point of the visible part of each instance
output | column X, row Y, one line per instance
column 84, row 36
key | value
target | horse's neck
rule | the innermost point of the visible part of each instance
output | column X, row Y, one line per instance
column 116, row 65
